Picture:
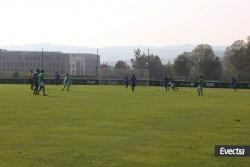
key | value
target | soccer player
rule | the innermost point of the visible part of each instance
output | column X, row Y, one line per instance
column 35, row 80
column 66, row 82
column 57, row 78
column 234, row 83
column 41, row 82
column 200, row 86
column 133, row 82
column 30, row 77
column 166, row 82
column 171, row 83
column 126, row 81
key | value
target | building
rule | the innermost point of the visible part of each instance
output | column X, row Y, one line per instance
column 84, row 64
column 51, row 62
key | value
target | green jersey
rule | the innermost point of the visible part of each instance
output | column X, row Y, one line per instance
column 66, row 79
column 40, row 78
column 201, row 82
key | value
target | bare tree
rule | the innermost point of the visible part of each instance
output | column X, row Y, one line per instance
column 206, row 63
column 121, row 65
column 182, row 65
column 238, row 59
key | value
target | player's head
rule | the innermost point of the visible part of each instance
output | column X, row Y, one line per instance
column 37, row 70
column 200, row 76
column 31, row 71
column 133, row 75
column 42, row 71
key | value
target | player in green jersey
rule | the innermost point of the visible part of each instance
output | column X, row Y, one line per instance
column 66, row 82
column 41, row 83
column 200, row 86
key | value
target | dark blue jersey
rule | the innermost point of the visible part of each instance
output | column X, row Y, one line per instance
column 126, row 79
column 57, row 76
column 166, row 81
column 233, row 81
column 35, row 77
column 133, row 80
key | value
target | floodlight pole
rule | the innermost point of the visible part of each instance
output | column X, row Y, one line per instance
column 97, row 62
column 42, row 60
column 148, row 59
column 148, row 66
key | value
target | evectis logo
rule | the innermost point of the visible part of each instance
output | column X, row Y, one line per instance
column 232, row 151
column 237, row 151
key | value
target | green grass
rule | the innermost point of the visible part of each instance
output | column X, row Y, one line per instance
column 109, row 126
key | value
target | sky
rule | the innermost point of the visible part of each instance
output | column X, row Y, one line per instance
column 100, row 23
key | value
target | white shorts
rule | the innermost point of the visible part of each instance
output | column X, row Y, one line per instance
column 42, row 83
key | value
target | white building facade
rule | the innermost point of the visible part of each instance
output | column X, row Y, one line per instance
column 84, row 65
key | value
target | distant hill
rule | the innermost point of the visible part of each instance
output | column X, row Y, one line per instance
column 111, row 54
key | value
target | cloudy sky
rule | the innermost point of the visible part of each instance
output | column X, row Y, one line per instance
column 99, row 23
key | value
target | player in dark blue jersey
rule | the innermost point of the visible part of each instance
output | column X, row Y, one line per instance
column 234, row 83
column 57, row 78
column 36, row 83
column 126, row 81
column 30, row 77
column 133, row 81
column 166, row 83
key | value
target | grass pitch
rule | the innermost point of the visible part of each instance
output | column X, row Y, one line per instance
column 109, row 126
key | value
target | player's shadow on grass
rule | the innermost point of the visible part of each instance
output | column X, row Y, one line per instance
column 73, row 91
column 53, row 96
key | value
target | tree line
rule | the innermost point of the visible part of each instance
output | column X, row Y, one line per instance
column 202, row 60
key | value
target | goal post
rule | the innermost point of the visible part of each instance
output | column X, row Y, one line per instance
column 109, row 76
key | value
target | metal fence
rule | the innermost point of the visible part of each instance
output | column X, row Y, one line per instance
column 208, row 84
